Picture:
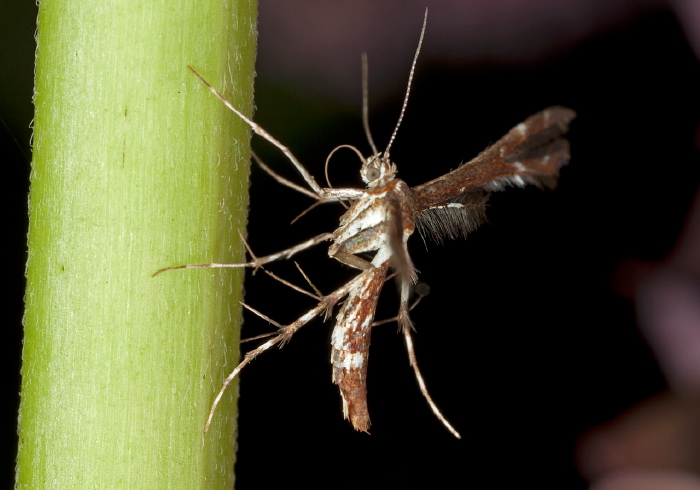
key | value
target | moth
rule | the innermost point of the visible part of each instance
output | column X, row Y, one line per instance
column 373, row 233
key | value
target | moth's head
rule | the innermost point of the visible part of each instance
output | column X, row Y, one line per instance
column 377, row 170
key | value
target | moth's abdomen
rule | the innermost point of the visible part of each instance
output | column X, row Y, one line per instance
column 350, row 345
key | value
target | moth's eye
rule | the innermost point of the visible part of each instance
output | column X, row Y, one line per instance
column 373, row 174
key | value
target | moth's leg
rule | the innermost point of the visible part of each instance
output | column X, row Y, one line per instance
column 367, row 240
column 292, row 185
column 421, row 290
column 296, row 288
column 284, row 334
column 308, row 281
column 398, row 238
column 298, row 216
column 352, row 260
column 324, row 194
column 332, row 195
column 373, row 239
column 336, row 194
column 261, row 132
column 318, row 296
column 344, row 253
column 284, row 181
column 405, row 323
column 421, row 384
column 259, row 261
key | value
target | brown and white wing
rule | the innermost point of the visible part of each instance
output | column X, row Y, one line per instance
column 530, row 153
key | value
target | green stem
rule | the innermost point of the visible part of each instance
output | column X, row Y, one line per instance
column 136, row 167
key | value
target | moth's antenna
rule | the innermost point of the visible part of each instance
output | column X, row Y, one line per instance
column 365, row 103
column 408, row 88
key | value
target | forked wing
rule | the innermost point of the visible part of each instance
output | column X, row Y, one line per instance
column 530, row 153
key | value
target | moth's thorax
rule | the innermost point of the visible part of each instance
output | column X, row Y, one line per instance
column 368, row 224
column 377, row 170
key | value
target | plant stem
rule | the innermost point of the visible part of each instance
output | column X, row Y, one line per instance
column 136, row 167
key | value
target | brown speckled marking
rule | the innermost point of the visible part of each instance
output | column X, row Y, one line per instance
column 350, row 340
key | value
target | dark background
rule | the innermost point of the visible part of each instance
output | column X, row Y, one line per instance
column 527, row 338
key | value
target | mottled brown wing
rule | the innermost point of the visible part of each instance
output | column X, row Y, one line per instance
column 530, row 153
